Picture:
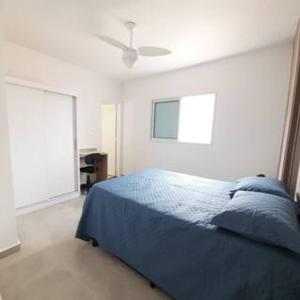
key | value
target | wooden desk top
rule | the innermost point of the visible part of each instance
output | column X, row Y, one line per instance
column 84, row 152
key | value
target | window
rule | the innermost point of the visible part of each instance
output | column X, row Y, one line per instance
column 186, row 119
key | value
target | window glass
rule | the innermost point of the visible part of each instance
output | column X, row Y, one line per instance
column 196, row 119
column 166, row 114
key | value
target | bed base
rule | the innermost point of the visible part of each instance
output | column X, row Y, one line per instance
column 95, row 244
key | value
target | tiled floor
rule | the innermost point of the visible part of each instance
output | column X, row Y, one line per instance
column 52, row 264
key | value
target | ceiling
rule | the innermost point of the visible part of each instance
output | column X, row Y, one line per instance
column 196, row 31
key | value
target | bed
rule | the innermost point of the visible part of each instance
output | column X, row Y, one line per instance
column 159, row 223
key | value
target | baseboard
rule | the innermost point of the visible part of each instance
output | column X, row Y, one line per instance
column 47, row 203
column 10, row 250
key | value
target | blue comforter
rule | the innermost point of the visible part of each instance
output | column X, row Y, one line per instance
column 158, row 222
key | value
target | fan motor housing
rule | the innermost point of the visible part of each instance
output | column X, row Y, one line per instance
column 130, row 57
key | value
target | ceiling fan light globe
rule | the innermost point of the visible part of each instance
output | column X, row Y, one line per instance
column 130, row 25
column 130, row 57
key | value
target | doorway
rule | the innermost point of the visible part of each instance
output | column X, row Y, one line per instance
column 110, row 136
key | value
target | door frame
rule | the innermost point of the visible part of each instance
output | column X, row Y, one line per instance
column 117, row 137
column 288, row 170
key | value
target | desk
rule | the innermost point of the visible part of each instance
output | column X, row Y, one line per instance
column 101, row 171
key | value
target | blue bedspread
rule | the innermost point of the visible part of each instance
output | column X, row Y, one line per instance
column 158, row 222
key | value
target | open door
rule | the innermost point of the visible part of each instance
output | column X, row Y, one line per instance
column 290, row 154
column 110, row 136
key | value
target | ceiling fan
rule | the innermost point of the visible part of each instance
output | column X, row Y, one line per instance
column 130, row 54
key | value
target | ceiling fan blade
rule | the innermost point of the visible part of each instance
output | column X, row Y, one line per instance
column 153, row 51
column 112, row 42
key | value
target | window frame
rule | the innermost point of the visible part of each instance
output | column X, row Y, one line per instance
column 153, row 119
column 154, row 101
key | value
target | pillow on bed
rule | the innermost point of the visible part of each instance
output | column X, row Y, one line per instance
column 261, row 184
column 262, row 217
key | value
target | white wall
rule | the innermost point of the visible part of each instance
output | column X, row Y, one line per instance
column 8, row 228
column 92, row 88
column 250, row 108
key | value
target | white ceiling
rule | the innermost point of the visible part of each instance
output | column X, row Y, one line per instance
column 195, row 30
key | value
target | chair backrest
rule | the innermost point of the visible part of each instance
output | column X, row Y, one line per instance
column 92, row 159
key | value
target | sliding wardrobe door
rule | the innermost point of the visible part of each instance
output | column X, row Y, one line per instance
column 26, row 110
column 42, row 141
column 60, row 144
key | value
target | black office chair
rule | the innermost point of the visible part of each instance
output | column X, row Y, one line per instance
column 91, row 161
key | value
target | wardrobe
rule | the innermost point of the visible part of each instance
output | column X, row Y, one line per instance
column 42, row 125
